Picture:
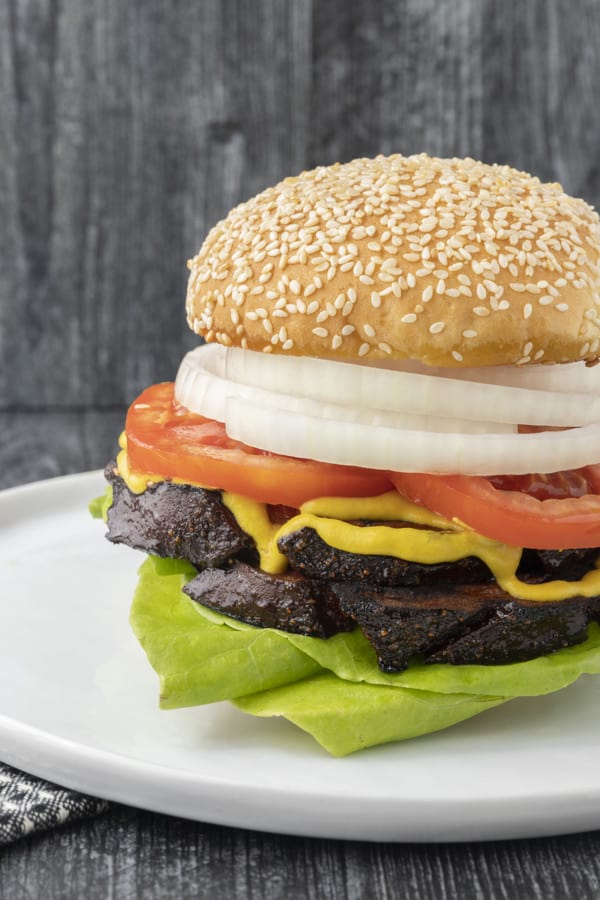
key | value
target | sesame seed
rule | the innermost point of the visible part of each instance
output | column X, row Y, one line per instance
column 437, row 327
column 375, row 300
column 562, row 307
column 481, row 311
column 363, row 349
column 384, row 347
column 336, row 342
column 428, row 224
column 527, row 310
column 320, row 332
column 427, row 294
column 457, row 356
column 469, row 333
column 369, row 330
column 409, row 318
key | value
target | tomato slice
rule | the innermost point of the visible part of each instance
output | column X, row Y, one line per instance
column 549, row 486
column 164, row 438
column 566, row 516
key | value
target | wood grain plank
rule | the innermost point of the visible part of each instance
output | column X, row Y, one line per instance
column 130, row 129
column 541, row 73
column 399, row 77
column 44, row 444
column 142, row 855
column 540, row 83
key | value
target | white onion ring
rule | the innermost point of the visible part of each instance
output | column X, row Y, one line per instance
column 364, row 386
column 201, row 390
column 330, row 415
column 354, row 444
column 567, row 378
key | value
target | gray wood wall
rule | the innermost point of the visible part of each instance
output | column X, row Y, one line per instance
column 128, row 127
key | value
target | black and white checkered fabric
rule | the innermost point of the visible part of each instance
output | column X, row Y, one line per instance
column 28, row 804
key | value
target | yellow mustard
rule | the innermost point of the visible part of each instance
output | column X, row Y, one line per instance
column 331, row 518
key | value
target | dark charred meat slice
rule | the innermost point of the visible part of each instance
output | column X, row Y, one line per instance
column 403, row 622
column 449, row 612
column 175, row 520
column 312, row 556
column 308, row 553
column 460, row 624
column 517, row 631
column 570, row 565
column 289, row 602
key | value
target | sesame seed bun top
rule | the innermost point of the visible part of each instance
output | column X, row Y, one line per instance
column 447, row 261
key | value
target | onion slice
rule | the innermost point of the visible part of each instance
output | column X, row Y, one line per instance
column 202, row 391
column 384, row 419
column 352, row 443
column 566, row 378
column 354, row 385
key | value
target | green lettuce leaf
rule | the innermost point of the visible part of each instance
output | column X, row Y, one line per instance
column 331, row 688
column 199, row 661
column 351, row 657
column 345, row 716
column 99, row 506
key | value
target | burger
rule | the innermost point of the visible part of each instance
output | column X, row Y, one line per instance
column 371, row 497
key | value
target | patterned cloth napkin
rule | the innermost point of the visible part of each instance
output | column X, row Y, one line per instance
column 28, row 804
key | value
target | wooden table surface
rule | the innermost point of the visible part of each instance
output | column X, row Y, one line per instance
column 128, row 853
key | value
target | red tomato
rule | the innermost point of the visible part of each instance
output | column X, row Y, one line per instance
column 570, row 518
column 167, row 439
column 551, row 486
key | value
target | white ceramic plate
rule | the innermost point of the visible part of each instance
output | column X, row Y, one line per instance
column 78, row 705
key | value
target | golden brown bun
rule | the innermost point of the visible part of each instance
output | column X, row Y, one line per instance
column 447, row 261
